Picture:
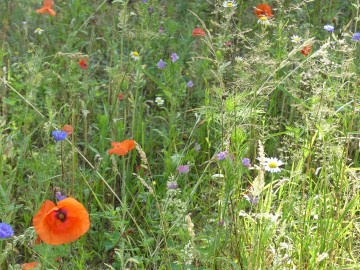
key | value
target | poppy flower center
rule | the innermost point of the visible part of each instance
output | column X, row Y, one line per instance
column 61, row 215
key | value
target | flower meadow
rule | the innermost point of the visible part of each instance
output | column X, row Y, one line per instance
column 162, row 134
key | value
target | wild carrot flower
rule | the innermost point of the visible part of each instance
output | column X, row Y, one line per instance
column 263, row 10
column 174, row 57
column 273, row 165
column 183, row 169
column 222, row 155
column 83, row 63
column 5, row 231
column 356, row 36
column 159, row 101
column 68, row 129
column 38, row 31
column 198, row 32
column 306, row 50
column 135, row 55
column 190, row 84
column 329, row 28
column 59, row 135
column 161, row 64
column 61, row 223
column 122, row 148
column 295, row 39
column 229, row 3
column 47, row 8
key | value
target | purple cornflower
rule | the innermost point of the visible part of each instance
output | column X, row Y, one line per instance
column 59, row 196
column 246, row 162
column 190, row 84
column 150, row 9
column 174, row 57
column 161, row 29
column 251, row 199
column 171, row 185
column 59, row 135
column 5, row 230
column 222, row 155
column 329, row 28
column 183, row 169
column 197, row 147
column 161, row 64
column 356, row 36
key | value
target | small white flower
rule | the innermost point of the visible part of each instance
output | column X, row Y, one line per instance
column 135, row 55
column 264, row 20
column 159, row 101
column 322, row 256
column 217, row 175
column 229, row 3
column 38, row 31
column 295, row 39
column 272, row 165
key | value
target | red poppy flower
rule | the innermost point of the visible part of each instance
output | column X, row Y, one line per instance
column 68, row 129
column 122, row 148
column 47, row 8
column 121, row 96
column 263, row 10
column 306, row 50
column 83, row 63
column 198, row 32
column 30, row 265
column 61, row 223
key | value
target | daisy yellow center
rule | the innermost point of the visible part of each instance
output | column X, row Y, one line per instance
column 229, row 4
column 136, row 54
column 263, row 18
column 273, row 165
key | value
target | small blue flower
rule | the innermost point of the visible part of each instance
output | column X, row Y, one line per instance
column 246, row 162
column 190, row 84
column 174, row 57
column 356, row 36
column 5, row 230
column 59, row 135
column 222, row 155
column 161, row 64
column 59, row 196
column 329, row 28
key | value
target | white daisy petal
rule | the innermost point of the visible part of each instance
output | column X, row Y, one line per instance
column 272, row 165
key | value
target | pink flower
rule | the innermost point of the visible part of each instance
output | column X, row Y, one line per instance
column 183, row 169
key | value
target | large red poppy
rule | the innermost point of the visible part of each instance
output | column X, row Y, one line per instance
column 306, row 50
column 47, row 8
column 61, row 223
column 263, row 10
column 198, row 32
column 30, row 265
column 122, row 148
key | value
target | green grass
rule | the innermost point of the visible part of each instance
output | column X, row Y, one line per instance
column 256, row 98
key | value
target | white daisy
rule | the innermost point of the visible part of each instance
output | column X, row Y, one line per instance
column 229, row 3
column 159, row 101
column 38, row 31
column 272, row 165
column 264, row 20
column 295, row 39
column 135, row 55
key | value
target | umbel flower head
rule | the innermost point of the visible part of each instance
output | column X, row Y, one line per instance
column 5, row 231
column 122, row 148
column 47, row 8
column 61, row 223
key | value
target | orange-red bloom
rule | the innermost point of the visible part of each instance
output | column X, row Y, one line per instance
column 68, row 129
column 121, row 96
column 83, row 63
column 30, row 265
column 198, row 32
column 61, row 223
column 306, row 50
column 263, row 10
column 122, row 148
column 47, row 8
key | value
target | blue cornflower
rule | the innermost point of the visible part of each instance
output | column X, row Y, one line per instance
column 59, row 196
column 356, row 36
column 174, row 57
column 329, row 28
column 246, row 162
column 161, row 64
column 190, row 84
column 59, row 135
column 222, row 155
column 5, row 230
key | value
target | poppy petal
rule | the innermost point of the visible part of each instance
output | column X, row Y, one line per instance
column 48, row 3
column 56, row 230
column 30, row 265
column 118, row 151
